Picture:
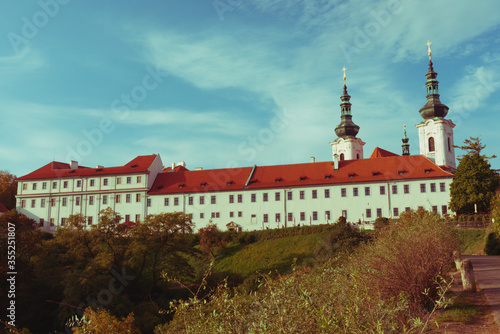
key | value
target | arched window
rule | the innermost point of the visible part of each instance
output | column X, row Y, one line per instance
column 449, row 144
column 431, row 144
column 357, row 156
column 341, row 156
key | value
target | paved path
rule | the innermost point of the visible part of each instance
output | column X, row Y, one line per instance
column 487, row 273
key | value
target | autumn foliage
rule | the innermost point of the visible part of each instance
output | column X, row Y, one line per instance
column 211, row 240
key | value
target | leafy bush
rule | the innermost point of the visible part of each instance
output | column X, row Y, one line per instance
column 492, row 246
column 495, row 214
column 381, row 222
column 408, row 255
column 97, row 322
column 381, row 288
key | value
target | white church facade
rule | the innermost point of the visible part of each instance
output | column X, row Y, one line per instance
column 258, row 197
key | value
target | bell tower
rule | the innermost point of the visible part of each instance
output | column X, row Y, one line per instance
column 435, row 132
column 347, row 146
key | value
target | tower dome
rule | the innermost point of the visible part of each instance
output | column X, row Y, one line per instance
column 435, row 132
column 433, row 107
column 346, row 128
column 346, row 146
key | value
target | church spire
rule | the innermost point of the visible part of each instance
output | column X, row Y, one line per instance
column 346, row 128
column 405, row 146
column 433, row 107
column 435, row 132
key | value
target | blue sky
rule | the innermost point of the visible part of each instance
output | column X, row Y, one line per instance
column 236, row 82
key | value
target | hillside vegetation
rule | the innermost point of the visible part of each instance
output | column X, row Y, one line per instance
column 385, row 286
column 154, row 277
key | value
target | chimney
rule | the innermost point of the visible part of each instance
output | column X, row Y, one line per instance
column 73, row 164
column 173, row 165
column 313, row 159
column 198, row 168
column 336, row 161
column 182, row 163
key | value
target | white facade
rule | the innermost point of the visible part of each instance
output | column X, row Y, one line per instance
column 51, row 200
column 348, row 148
column 260, row 197
column 311, row 205
column 436, row 141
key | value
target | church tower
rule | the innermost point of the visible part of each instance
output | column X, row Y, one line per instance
column 347, row 146
column 435, row 132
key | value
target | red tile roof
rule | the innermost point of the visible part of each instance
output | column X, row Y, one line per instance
column 59, row 169
column 3, row 208
column 391, row 167
column 177, row 168
column 381, row 153
column 201, row 180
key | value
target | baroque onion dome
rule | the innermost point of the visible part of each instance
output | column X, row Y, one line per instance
column 433, row 108
column 346, row 128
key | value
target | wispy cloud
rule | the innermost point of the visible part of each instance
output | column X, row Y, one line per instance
column 472, row 91
column 26, row 60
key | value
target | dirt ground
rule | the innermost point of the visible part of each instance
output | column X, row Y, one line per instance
column 481, row 324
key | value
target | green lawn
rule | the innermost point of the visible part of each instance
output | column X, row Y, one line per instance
column 471, row 240
column 269, row 255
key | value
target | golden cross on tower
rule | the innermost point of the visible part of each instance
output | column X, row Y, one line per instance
column 429, row 48
column 344, row 69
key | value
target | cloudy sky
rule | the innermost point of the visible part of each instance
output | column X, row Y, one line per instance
column 236, row 82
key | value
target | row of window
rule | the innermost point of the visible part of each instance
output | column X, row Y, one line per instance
column 327, row 214
column 51, row 221
column 239, row 198
column 314, row 194
column 277, row 217
column 90, row 220
column 105, row 200
column 395, row 189
column 65, row 184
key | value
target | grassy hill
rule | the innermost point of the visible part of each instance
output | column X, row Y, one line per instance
column 269, row 255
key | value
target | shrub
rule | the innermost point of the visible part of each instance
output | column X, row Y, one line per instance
column 495, row 214
column 247, row 238
column 408, row 256
column 381, row 222
column 96, row 322
column 329, row 301
column 211, row 240
column 47, row 236
column 492, row 246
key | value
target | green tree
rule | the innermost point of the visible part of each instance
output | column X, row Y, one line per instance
column 211, row 240
column 474, row 182
column 8, row 189
column 158, row 244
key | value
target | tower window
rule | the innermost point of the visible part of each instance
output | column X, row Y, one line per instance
column 432, row 147
column 342, row 157
column 449, row 144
